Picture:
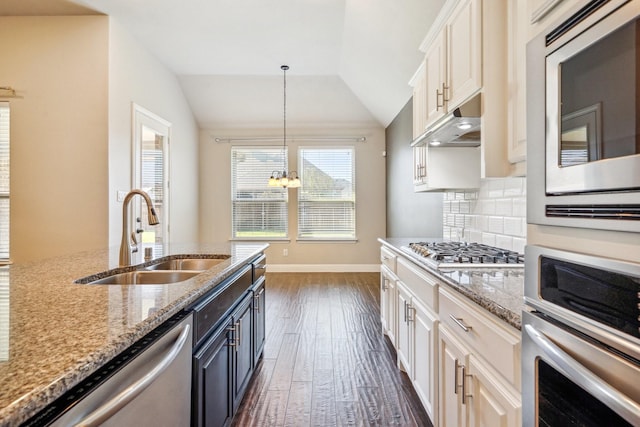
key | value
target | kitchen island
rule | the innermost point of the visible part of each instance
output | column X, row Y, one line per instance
column 54, row 332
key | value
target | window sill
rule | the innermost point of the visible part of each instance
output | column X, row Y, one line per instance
column 325, row 240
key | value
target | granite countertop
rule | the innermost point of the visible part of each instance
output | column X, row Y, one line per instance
column 54, row 332
column 497, row 290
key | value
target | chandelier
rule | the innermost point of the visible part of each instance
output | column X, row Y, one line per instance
column 284, row 179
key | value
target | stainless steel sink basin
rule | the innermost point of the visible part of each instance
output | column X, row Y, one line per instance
column 145, row 277
column 197, row 264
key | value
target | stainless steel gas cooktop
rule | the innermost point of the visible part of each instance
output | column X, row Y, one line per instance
column 462, row 254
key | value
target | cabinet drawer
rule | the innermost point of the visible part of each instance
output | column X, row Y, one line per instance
column 388, row 258
column 492, row 340
column 421, row 283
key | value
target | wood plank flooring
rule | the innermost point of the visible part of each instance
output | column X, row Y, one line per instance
column 326, row 362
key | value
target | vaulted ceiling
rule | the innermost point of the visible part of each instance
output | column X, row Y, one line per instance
column 350, row 60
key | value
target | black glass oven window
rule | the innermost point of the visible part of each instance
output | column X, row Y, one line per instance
column 608, row 297
column 562, row 403
column 599, row 99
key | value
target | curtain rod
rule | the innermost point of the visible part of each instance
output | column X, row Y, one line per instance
column 293, row 138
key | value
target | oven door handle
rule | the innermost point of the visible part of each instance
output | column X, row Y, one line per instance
column 576, row 372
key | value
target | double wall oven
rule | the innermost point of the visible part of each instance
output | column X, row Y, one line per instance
column 581, row 329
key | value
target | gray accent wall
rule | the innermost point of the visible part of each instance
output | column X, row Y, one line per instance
column 409, row 214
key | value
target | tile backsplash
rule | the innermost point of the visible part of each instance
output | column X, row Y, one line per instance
column 494, row 214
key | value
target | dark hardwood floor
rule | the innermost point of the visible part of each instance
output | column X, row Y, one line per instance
column 326, row 362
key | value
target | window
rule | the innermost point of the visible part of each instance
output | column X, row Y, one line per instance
column 258, row 211
column 4, row 181
column 327, row 198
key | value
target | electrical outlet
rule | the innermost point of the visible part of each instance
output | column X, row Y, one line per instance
column 285, row 252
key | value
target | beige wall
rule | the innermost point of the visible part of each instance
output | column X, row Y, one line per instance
column 136, row 76
column 215, row 202
column 71, row 132
column 58, row 65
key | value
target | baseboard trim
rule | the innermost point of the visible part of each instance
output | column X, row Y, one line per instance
column 323, row 268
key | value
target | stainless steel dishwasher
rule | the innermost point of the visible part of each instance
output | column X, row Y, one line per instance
column 148, row 385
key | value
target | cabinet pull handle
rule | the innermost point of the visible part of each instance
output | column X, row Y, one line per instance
column 464, row 385
column 445, row 88
column 438, row 95
column 120, row 400
column 460, row 323
column 405, row 312
column 238, row 333
column 455, row 376
column 232, row 342
column 409, row 308
column 256, row 302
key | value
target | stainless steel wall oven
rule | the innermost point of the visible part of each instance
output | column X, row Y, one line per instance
column 580, row 340
column 583, row 118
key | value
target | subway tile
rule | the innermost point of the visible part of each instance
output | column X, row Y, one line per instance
column 464, row 206
column 504, row 242
column 446, row 206
column 459, row 195
column 459, row 221
column 475, row 236
column 488, row 207
column 504, row 207
column 520, row 207
column 489, row 239
column 519, row 244
column 455, row 206
column 496, row 188
column 513, row 227
column 513, row 187
column 496, row 224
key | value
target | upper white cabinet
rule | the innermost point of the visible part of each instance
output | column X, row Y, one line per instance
column 518, row 15
column 464, row 53
column 453, row 62
column 419, row 101
column 477, row 46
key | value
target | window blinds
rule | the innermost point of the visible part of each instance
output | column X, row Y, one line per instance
column 4, row 180
column 326, row 202
column 258, row 211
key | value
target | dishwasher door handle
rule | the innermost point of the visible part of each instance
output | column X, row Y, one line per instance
column 120, row 400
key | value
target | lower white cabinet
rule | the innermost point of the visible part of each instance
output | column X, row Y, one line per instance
column 479, row 367
column 415, row 346
column 463, row 362
column 388, row 303
column 453, row 359
column 424, row 339
column 494, row 403
column 471, row 393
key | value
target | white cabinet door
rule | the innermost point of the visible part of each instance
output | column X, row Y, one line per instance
column 492, row 403
column 425, row 331
column 464, row 48
column 436, row 66
column 419, row 101
column 388, row 304
column 517, row 111
column 403, row 340
column 453, row 360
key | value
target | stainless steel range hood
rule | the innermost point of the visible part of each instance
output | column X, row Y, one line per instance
column 459, row 128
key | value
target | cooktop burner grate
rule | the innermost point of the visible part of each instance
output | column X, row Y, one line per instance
column 456, row 254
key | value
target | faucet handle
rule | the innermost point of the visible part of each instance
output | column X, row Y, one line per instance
column 134, row 242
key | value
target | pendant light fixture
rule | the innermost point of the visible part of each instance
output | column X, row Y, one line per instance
column 284, row 179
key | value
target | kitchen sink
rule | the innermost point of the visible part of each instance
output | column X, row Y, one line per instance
column 196, row 264
column 145, row 277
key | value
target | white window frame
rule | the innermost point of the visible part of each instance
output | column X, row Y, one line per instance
column 306, row 197
column 257, row 178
